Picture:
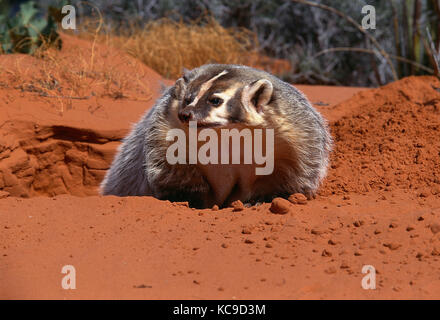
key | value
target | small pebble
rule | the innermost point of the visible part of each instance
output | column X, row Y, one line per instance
column 435, row 227
column 280, row 206
column 393, row 225
column 237, row 205
column 182, row 203
column 298, row 198
column 392, row 245
column 358, row 223
column 330, row 270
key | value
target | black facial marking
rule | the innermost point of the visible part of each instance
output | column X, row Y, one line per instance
column 235, row 108
column 187, row 101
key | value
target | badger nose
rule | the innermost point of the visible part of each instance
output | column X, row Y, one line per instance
column 186, row 115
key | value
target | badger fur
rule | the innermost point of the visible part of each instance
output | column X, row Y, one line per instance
column 221, row 96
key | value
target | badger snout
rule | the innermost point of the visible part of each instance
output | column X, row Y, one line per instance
column 186, row 115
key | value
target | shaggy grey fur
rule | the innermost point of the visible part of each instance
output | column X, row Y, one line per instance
column 140, row 167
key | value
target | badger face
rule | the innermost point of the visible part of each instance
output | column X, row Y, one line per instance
column 221, row 97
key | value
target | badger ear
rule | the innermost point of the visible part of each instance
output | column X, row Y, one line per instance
column 180, row 85
column 179, row 89
column 257, row 95
column 185, row 74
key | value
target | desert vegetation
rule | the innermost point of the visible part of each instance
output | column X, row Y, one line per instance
column 167, row 46
column 319, row 40
column 78, row 72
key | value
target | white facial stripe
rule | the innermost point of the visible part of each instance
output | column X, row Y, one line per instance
column 220, row 114
column 206, row 86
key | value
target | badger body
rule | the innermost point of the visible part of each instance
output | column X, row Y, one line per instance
column 223, row 96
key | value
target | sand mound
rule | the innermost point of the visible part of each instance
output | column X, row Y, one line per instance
column 389, row 140
column 62, row 115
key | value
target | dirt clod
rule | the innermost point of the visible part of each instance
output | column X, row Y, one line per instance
column 435, row 227
column 237, row 205
column 280, row 206
column 3, row 194
column 392, row 245
column 246, row 230
column 298, row 198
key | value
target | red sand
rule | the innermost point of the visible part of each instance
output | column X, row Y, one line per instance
column 380, row 206
column 390, row 139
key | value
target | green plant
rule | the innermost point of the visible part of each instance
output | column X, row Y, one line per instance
column 27, row 31
column 417, row 34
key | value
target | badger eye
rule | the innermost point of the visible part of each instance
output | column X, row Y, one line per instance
column 215, row 101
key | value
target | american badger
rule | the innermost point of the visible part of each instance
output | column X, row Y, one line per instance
column 218, row 97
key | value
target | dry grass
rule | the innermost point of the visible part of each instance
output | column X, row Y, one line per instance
column 81, row 70
column 76, row 72
column 168, row 46
column 93, row 66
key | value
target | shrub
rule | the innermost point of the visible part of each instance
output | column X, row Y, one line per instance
column 26, row 31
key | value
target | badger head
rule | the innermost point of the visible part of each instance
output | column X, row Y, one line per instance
column 221, row 95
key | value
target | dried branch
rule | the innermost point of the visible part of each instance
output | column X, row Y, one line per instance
column 359, row 27
column 340, row 49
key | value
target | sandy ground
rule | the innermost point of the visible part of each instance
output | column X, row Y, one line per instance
column 379, row 206
column 145, row 248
